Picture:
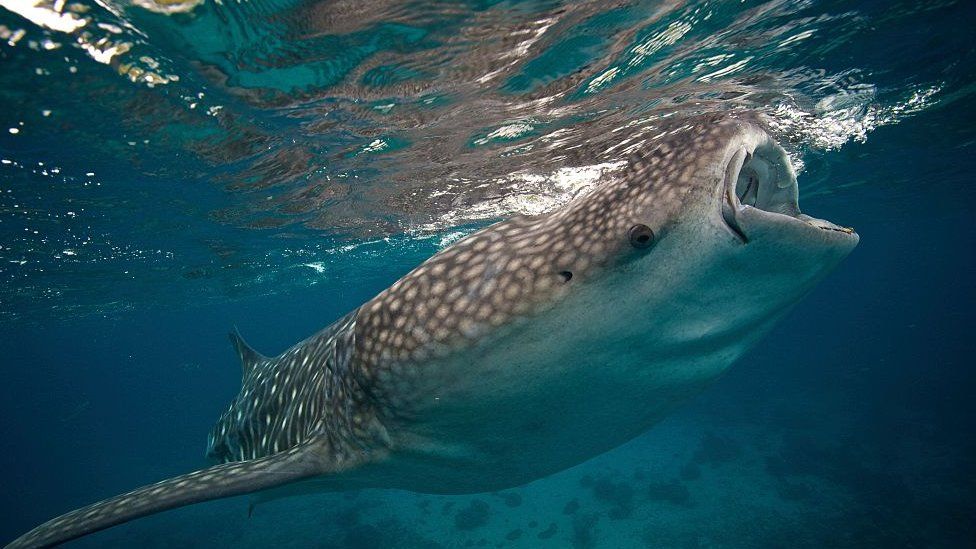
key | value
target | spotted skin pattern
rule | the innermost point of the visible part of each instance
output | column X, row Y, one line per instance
column 356, row 400
column 520, row 267
column 306, row 393
column 513, row 269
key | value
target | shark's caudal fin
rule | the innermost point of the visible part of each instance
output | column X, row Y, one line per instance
column 225, row 480
column 249, row 357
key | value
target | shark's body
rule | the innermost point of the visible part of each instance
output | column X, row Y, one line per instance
column 528, row 347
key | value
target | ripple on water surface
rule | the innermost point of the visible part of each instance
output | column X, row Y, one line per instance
column 253, row 146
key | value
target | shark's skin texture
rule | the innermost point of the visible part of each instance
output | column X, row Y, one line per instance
column 529, row 346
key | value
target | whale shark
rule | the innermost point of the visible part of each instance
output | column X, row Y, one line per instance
column 529, row 346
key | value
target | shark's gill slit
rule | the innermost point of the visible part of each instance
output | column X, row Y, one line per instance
column 731, row 201
column 766, row 181
column 747, row 187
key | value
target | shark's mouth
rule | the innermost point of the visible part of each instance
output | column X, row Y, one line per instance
column 760, row 176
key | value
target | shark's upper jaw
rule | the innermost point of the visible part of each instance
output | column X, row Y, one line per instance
column 760, row 187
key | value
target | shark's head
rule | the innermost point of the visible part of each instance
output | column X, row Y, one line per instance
column 694, row 249
column 700, row 240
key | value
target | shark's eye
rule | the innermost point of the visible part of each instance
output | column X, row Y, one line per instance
column 641, row 236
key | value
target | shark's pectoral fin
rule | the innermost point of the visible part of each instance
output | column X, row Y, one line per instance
column 225, row 480
column 249, row 357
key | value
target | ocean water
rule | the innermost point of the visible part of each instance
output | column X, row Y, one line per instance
column 171, row 170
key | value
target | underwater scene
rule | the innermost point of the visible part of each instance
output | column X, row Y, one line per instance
column 595, row 274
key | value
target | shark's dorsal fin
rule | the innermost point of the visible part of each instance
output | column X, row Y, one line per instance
column 249, row 357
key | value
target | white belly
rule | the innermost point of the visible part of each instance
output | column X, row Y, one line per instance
column 549, row 393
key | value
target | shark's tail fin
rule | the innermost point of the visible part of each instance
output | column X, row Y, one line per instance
column 228, row 479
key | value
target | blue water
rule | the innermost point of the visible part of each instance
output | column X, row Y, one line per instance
column 308, row 154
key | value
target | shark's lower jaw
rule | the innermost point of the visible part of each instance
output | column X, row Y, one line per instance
column 760, row 184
